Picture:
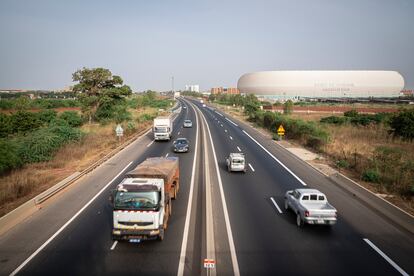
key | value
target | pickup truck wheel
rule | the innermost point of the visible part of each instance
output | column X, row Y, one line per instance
column 299, row 221
column 286, row 205
column 161, row 235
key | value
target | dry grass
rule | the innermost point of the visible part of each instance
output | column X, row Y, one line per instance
column 23, row 184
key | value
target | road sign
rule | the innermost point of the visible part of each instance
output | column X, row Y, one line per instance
column 119, row 130
column 209, row 263
column 281, row 131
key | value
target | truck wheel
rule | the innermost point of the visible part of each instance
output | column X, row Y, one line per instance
column 228, row 168
column 286, row 205
column 175, row 192
column 299, row 221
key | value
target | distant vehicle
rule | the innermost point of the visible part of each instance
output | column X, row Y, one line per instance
column 188, row 123
column 236, row 162
column 201, row 101
column 142, row 201
column 184, row 107
column 204, row 105
column 181, row 145
column 310, row 206
column 162, row 128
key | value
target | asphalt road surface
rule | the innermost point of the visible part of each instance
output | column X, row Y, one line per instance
column 236, row 219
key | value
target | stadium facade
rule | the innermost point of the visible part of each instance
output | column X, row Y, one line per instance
column 322, row 84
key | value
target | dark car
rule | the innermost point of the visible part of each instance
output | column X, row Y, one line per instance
column 181, row 145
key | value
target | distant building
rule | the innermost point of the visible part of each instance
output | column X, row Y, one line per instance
column 225, row 90
column 192, row 88
column 322, row 84
column 407, row 92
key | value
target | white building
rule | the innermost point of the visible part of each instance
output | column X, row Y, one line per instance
column 192, row 88
column 322, row 84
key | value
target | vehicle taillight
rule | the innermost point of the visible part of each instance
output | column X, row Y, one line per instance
column 306, row 213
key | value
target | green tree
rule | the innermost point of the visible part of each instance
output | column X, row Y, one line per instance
column 403, row 124
column 288, row 107
column 97, row 87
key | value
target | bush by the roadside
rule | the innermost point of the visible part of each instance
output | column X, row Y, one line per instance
column 7, row 104
column 309, row 133
column 46, row 116
column 9, row 155
column 44, row 142
column 24, row 121
column 392, row 168
column 402, row 125
column 371, row 175
column 336, row 120
column 72, row 118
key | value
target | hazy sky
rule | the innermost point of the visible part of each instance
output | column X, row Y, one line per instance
column 210, row 43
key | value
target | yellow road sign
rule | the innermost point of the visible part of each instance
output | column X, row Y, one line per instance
column 281, row 130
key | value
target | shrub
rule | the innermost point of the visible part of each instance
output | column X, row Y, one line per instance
column 6, row 126
column 402, row 125
column 46, row 116
column 9, row 157
column 334, row 120
column 44, row 142
column 315, row 142
column 351, row 113
column 23, row 121
column 342, row 164
column 371, row 175
column 72, row 118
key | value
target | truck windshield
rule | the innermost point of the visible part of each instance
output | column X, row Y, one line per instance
column 161, row 129
column 137, row 200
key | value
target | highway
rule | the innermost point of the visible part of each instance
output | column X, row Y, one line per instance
column 234, row 218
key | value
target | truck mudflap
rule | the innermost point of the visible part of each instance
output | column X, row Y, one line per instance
column 135, row 234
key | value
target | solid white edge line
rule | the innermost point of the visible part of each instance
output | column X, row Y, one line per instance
column 181, row 263
column 231, row 138
column 150, row 143
column 238, row 148
column 113, row 246
column 274, row 203
column 251, row 167
column 219, row 114
column 391, row 262
column 226, row 214
column 232, row 122
column 66, row 224
column 277, row 160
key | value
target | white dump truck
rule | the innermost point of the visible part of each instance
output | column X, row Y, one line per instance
column 162, row 128
column 142, row 201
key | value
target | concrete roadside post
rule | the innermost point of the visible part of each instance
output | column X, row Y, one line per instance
column 119, row 132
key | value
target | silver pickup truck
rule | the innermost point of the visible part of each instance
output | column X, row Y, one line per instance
column 310, row 206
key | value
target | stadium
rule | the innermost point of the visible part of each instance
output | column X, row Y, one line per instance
column 322, row 84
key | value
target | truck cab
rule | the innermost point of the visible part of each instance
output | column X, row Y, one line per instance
column 142, row 201
column 162, row 128
column 236, row 162
column 139, row 211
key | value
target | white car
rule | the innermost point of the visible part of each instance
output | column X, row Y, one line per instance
column 204, row 105
column 188, row 123
column 236, row 162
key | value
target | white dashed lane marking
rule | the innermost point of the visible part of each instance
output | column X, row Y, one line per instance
column 274, row 203
column 238, row 148
column 251, row 167
column 231, row 138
